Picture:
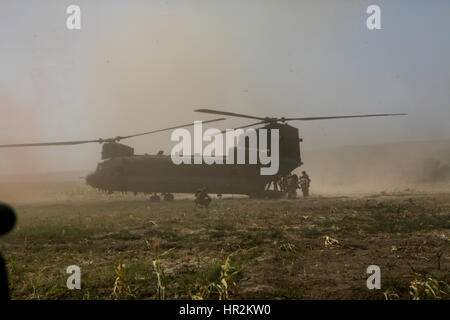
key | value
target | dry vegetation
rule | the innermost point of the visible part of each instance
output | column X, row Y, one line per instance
column 129, row 248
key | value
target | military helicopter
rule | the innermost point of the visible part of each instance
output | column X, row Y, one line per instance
column 122, row 170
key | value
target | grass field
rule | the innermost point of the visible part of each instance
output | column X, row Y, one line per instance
column 320, row 248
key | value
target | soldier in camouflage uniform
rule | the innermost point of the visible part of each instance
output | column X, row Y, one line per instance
column 304, row 184
column 202, row 198
column 292, row 186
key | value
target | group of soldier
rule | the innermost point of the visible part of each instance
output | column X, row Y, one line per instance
column 289, row 184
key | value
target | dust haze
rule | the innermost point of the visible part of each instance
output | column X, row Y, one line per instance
column 381, row 168
column 140, row 66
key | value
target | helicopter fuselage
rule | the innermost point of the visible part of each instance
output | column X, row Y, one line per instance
column 158, row 173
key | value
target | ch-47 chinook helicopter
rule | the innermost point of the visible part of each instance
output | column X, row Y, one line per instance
column 122, row 170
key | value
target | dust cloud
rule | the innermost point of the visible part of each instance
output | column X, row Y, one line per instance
column 23, row 122
column 402, row 167
column 394, row 167
column 136, row 67
column 158, row 69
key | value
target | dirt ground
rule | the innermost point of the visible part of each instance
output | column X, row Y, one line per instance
column 237, row 248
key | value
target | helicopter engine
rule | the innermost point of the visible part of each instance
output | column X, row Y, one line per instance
column 115, row 150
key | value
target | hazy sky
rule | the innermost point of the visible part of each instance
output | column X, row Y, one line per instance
column 142, row 65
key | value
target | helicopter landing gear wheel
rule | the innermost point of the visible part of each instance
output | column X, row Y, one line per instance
column 168, row 196
column 154, row 198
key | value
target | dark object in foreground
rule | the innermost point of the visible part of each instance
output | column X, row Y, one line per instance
column 7, row 221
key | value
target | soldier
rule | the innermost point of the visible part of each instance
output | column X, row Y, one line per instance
column 202, row 198
column 304, row 184
column 292, row 186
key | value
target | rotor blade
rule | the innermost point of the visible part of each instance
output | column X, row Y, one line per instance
column 67, row 143
column 165, row 129
column 344, row 117
column 232, row 114
column 249, row 125
column 62, row 143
